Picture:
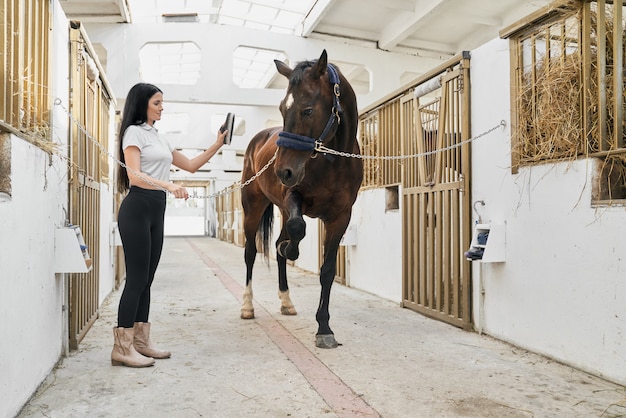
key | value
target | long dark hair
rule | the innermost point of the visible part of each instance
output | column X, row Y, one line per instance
column 135, row 113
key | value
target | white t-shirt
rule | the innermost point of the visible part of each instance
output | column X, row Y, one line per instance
column 156, row 152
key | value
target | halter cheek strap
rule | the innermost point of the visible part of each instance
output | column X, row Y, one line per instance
column 305, row 143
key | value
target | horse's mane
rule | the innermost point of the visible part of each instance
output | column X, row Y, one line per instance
column 298, row 72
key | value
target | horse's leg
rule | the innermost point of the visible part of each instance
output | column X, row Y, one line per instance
column 295, row 227
column 247, row 307
column 334, row 231
column 286, row 306
column 252, row 219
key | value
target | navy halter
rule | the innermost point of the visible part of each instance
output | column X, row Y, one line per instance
column 306, row 143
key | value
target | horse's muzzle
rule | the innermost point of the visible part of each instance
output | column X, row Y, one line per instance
column 289, row 177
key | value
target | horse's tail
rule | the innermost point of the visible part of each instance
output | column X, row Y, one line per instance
column 264, row 234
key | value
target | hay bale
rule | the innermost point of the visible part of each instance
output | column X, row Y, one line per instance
column 550, row 100
column 550, row 111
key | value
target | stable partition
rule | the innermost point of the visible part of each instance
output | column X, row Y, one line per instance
column 24, row 65
column 89, row 112
column 417, row 138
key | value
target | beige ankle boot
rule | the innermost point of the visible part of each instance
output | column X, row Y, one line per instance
column 124, row 353
column 144, row 345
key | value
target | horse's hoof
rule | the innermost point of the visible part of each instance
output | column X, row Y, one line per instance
column 326, row 341
column 288, row 310
column 247, row 314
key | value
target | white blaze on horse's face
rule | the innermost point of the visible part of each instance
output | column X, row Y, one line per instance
column 289, row 101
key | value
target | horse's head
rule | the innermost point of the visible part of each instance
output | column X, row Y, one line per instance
column 311, row 114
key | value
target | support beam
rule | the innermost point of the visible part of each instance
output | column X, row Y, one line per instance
column 409, row 22
column 316, row 14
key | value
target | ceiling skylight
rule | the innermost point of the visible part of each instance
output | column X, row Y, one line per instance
column 179, row 62
column 254, row 67
column 281, row 16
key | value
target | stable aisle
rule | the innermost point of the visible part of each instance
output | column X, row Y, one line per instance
column 393, row 361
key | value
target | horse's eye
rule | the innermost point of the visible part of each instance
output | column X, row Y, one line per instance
column 307, row 112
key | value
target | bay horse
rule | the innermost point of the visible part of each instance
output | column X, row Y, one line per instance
column 319, row 108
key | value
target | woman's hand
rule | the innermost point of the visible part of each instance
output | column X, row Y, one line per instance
column 178, row 191
column 220, row 138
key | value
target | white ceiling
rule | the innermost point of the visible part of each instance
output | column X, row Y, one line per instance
column 429, row 28
column 422, row 27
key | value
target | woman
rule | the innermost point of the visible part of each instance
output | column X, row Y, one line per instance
column 147, row 158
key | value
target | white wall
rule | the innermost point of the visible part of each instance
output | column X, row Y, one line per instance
column 561, row 290
column 34, row 321
column 202, row 133
column 107, row 240
column 375, row 261
column 309, row 247
column 32, row 297
column 374, row 258
column 31, row 302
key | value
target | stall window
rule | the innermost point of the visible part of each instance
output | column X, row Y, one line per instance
column 567, row 78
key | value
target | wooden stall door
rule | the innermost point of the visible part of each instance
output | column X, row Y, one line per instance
column 90, row 105
column 436, row 201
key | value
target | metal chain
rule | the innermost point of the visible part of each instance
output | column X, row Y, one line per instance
column 265, row 167
column 239, row 185
column 106, row 151
column 321, row 148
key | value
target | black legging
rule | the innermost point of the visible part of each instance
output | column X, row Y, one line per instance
column 140, row 221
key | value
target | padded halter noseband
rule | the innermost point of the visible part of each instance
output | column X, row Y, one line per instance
column 306, row 143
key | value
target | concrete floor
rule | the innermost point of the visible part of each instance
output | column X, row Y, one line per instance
column 393, row 362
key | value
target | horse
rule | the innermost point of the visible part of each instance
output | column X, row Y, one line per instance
column 319, row 109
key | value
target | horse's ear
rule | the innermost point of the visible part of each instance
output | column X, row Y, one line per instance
column 320, row 66
column 283, row 68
